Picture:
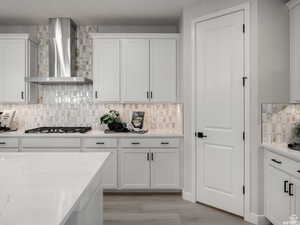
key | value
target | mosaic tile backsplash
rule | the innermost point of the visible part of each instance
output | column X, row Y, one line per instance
column 278, row 121
column 157, row 116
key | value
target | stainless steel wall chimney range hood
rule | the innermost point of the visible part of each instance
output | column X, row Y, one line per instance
column 62, row 54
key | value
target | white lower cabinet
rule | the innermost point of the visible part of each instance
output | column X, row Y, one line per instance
column 165, row 169
column 149, row 169
column 134, row 170
column 282, row 188
column 277, row 202
column 110, row 177
column 296, row 196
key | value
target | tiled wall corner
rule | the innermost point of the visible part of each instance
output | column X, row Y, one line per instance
column 278, row 121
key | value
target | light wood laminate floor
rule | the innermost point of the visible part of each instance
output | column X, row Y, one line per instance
column 160, row 209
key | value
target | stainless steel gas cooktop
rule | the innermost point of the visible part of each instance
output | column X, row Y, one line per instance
column 58, row 130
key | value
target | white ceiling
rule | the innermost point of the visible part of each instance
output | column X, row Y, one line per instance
column 93, row 11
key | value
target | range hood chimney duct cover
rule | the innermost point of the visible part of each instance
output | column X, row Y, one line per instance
column 62, row 54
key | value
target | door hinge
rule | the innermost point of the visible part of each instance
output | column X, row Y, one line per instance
column 244, row 28
column 244, row 190
column 244, row 136
column 244, row 80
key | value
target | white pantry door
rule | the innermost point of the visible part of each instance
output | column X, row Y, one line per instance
column 219, row 65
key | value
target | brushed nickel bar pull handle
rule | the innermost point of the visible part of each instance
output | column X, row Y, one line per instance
column 285, row 189
column 291, row 189
column 135, row 143
column 277, row 161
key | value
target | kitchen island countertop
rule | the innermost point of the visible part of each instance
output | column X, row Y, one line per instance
column 46, row 188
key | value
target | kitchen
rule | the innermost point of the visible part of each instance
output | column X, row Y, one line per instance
column 152, row 95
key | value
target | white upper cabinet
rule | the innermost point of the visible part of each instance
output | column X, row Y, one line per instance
column 135, row 67
column 135, row 70
column 106, row 69
column 15, row 65
column 294, row 6
column 163, row 70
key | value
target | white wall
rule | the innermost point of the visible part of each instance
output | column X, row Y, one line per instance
column 268, row 28
column 138, row 29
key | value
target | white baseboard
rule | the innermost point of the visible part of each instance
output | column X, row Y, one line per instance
column 257, row 219
column 188, row 196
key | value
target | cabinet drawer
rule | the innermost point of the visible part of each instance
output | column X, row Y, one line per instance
column 40, row 149
column 149, row 143
column 277, row 161
column 100, row 143
column 9, row 149
column 51, row 142
column 9, row 143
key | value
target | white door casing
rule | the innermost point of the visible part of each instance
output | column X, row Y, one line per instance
column 219, row 62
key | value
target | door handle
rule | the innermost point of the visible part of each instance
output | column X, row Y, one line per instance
column 152, row 156
column 291, row 189
column 148, row 157
column 298, row 171
column 96, row 94
column 285, row 189
column 22, row 95
column 100, row 143
column 2, row 143
column 276, row 161
column 164, row 143
column 200, row 135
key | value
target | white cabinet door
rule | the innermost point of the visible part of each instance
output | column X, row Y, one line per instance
column 277, row 201
column 165, row 169
column 295, row 54
column 134, row 169
column 296, row 197
column 32, row 89
column 109, row 177
column 12, row 70
column 135, row 70
column 106, row 69
column 163, row 70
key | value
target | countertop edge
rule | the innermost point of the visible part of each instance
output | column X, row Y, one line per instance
column 92, row 134
column 283, row 150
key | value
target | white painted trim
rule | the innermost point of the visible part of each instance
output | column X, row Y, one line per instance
column 292, row 3
column 188, row 197
column 136, row 35
column 246, row 8
column 258, row 219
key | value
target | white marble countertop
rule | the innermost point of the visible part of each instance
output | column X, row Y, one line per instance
column 99, row 133
column 283, row 150
column 44, row 188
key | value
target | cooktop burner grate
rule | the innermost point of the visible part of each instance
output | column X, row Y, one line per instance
column 58, row 130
